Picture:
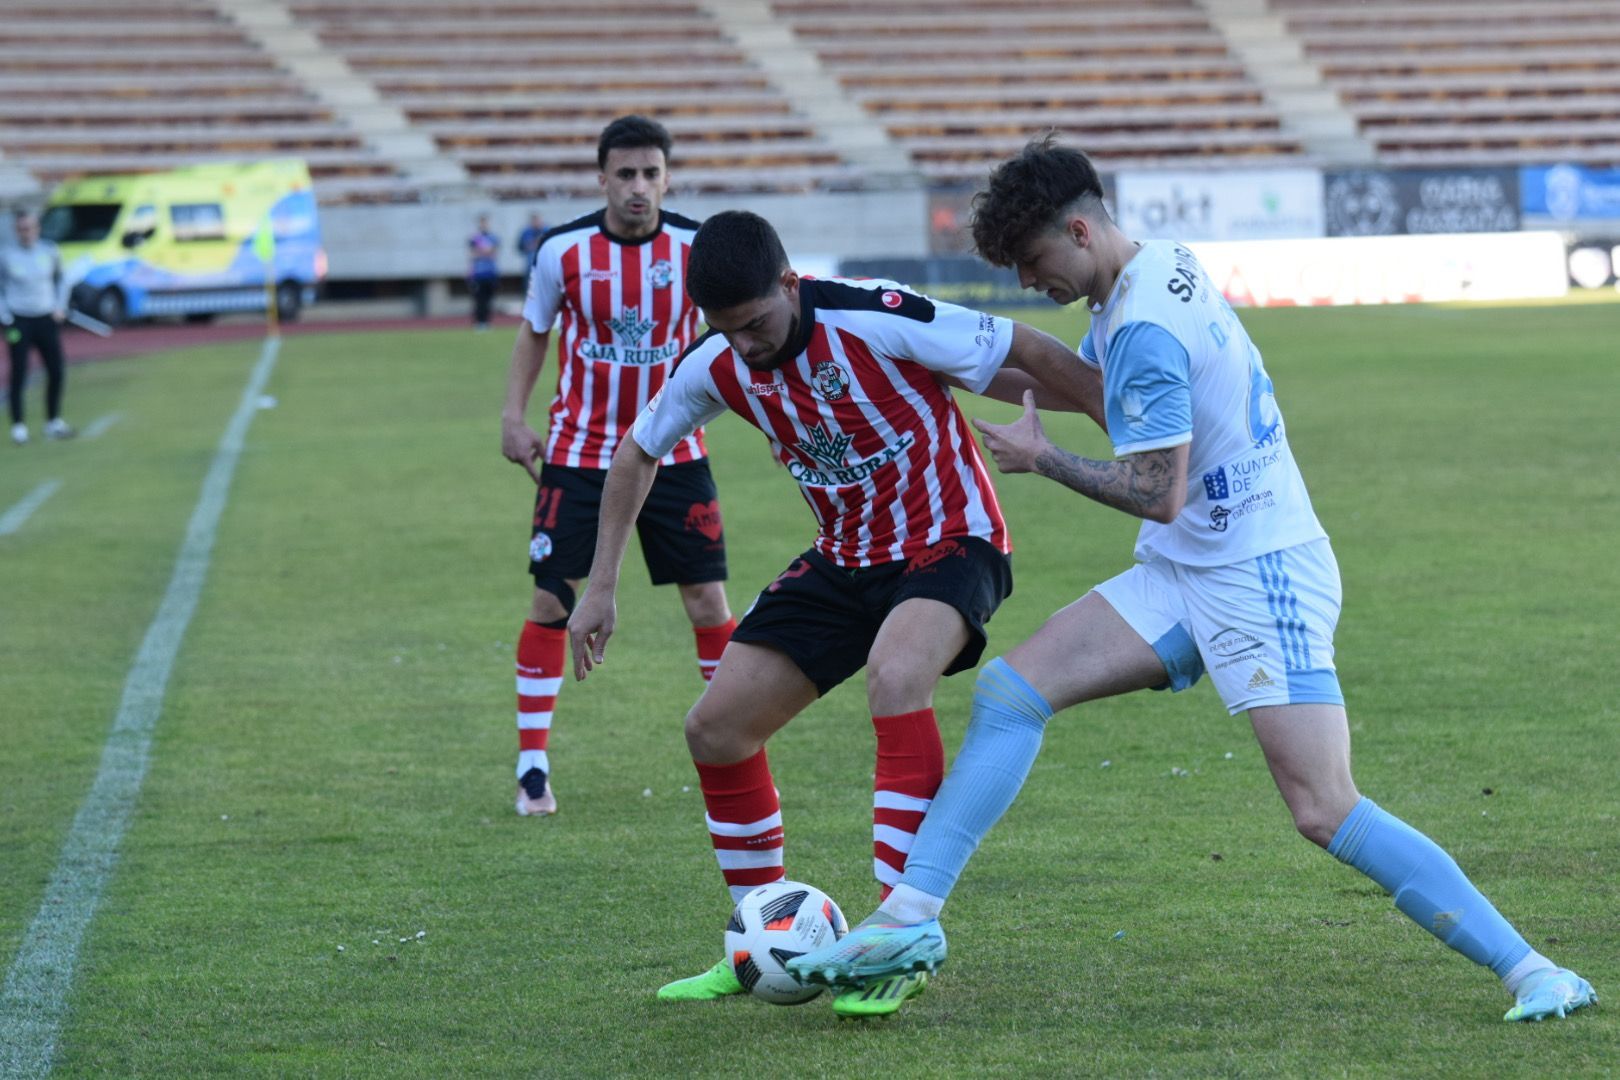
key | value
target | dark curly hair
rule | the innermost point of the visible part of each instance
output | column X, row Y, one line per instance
column 632, row 133
column 1028, row 194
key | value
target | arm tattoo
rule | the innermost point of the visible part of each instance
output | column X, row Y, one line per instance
column 1136, row 485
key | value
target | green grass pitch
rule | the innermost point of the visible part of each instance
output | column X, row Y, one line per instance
column 333, row 765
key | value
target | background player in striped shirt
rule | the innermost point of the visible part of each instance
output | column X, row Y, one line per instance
column 848, row 381
column 614, row 282
column 1234, row 574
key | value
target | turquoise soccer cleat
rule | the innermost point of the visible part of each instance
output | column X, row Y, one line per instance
column 872, row 952
column 1557, row 993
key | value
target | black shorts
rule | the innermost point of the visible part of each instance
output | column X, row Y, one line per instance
column 825, row 617
column 680, row 529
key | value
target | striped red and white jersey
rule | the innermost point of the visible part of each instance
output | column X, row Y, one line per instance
column 625, row 320
column 859, row 417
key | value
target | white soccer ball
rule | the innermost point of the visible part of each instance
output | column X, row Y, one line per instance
column 772, row 925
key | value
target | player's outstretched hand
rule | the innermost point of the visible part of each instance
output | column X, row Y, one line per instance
column 1015, row 446
column 589, row 628
column 522, row 445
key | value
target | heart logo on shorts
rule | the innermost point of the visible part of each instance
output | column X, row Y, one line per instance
column 705, row 518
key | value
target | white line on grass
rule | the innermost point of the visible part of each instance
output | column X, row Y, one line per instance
column 18, row 515
column 98, row 427
column 34, row 1000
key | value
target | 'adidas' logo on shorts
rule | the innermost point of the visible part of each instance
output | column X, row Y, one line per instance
column 1260, row 679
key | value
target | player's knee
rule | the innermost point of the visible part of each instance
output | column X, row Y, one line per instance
column 706, row 603
column 894, row 684
column 1318, row 819
column 708, row 735
column 553, row 603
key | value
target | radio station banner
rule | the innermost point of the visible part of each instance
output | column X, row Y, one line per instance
column 1248, row 204
column 1416, row 202
column 1570, row 193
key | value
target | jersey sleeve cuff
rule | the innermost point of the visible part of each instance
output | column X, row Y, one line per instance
column 1144, row 445
column 996, row 357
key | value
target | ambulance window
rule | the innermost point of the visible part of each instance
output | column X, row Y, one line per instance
column 143, row 222
column 78, row 223
column 197, row 221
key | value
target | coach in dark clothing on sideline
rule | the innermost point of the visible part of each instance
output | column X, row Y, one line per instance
column 33, row 303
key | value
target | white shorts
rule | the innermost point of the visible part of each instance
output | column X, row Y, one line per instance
column 1262, row 628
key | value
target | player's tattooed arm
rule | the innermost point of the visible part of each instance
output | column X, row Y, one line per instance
column 1145, row 485
column 1151, row 484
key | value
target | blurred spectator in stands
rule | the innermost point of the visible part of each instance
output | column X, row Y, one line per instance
column 33, row 302
column 529, row 240
column 482, row 275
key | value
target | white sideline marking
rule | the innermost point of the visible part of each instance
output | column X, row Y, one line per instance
column 34, row 1000
column 98, row 427
column 14, row 519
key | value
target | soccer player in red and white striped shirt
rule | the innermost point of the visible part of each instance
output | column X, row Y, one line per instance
column 614, row 282
column 849, row 381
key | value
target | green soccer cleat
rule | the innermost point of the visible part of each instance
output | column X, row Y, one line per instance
column 1557, row 993
column 873, row 951
column 718, row 982
column 882, row 999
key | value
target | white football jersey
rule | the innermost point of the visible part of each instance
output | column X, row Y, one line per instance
column 1178, row 367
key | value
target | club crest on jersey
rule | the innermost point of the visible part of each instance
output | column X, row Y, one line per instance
column 629, row 327
column 830, row 380
column 661, row 274
column 825, row 447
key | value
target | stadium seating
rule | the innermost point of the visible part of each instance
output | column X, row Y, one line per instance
column 517, row 92
column 960, row 83
column 94, row 86
column 1481, row 82
column 511, row 94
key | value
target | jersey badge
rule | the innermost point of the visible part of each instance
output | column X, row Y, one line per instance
column 891, row 299
column 831, row 381
column 661, row 274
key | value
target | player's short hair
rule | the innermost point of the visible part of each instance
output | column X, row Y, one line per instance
column 632, row 133
column 736, row 257
column 1031, row 193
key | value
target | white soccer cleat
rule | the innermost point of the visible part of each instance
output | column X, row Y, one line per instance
column 19, row 434
column 57, row 429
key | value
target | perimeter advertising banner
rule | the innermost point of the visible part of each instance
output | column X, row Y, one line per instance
column 1250, row 204
column 1419, row 202
column 1570, row 193
column 1388, row 269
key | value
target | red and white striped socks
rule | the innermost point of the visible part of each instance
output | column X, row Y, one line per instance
column 711, row 643
column 910, row 768
column 540, row 655
column 745, row 822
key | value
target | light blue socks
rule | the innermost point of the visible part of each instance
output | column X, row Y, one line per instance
column 1428, row 886
column 1003, row 737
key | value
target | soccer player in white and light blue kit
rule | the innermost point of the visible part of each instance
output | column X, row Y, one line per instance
column 1234, row 577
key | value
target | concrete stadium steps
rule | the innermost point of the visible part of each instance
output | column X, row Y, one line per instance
column 960, row 85
column 1437, row 82
column 516, row 93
